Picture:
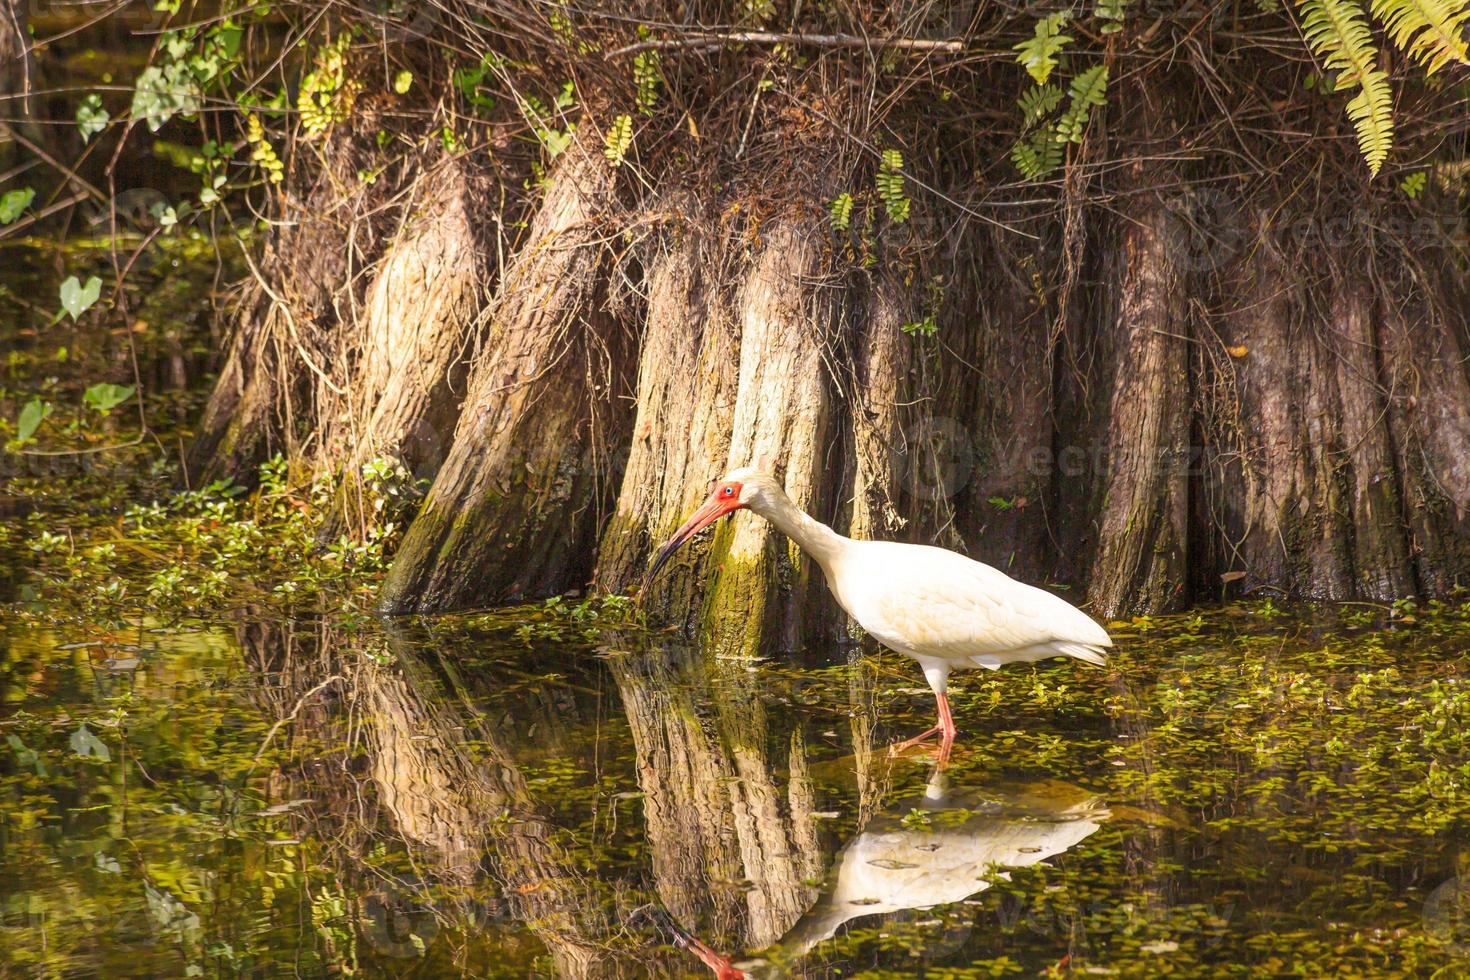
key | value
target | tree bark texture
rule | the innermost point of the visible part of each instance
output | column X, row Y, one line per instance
column 515, row 509
column 285, row 375
column 1109, row 402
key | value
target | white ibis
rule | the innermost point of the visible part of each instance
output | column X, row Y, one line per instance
column 944, row 610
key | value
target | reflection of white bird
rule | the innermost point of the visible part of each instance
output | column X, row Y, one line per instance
column 943, row 850
column 935, row 851
column 938, row 607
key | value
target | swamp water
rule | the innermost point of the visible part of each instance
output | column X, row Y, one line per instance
column 215, row 762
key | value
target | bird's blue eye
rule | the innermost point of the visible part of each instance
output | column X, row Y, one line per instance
column 729, row 491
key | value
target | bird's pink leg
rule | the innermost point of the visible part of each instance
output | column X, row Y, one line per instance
column 945, row 728
column 720, row 966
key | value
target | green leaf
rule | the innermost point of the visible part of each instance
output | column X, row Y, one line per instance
column 1088, row 91
column 1039, row 154
column 839, row 210
column 91, row 117
column 556, row 140
column 646, row 78
column 76, row 298
column 403, row 81
column 163, row 92
column 31, row 417
column 926, row 327
column 1037, row 103
column 1430, row 31
column 26, row 756
column 106, row 396
column 13, row 203
column 89, row 746
column 1038, row 54
column 618, row 139
column 1338, row 33
column 164, row 214
column 1112, row 14
column 889, row 181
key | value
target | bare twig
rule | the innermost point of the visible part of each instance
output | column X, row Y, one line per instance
column 294, row 712
column 701, row 39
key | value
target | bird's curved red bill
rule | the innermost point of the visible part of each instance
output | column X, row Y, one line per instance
column 712, row 510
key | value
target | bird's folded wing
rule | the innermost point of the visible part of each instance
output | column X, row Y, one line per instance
column 959, row 608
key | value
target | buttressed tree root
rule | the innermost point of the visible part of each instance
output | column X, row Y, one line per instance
column 514, row 511
column 1123, row 378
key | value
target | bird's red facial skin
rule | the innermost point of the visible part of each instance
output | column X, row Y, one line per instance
column 723, row 499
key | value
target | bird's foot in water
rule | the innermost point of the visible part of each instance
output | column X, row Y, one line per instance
column 941, row 750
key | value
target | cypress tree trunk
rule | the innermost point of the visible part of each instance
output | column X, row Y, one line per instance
column 762, row 583
column 1424, row 357
column 285, row 374
column 814, row 255
column 1379, row 535
column 514, row 510
column 681, row 431
column 418, row 330
column 1142, row 513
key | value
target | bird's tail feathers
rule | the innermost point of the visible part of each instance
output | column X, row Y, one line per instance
column 1084, row 652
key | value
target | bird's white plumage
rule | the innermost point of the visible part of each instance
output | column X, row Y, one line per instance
column 933, row 604
column 898, row 863
column 946, row 611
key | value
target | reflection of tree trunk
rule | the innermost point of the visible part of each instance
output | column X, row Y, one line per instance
column 446, row 781
column 732, row 851
column 777, row 840
column 1145, row 848
column 436, row 794
column 460, row 804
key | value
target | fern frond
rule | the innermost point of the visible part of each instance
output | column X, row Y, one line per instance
column 1429, row 31
column 1112, row 14
column 1037, row 155
column 1338, row 32
column 889, row 181
column 1371, row 111
column 1038, row 53
column 1088, row 91
column 839, row 210
column 1036, row 103
column 618, row 139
